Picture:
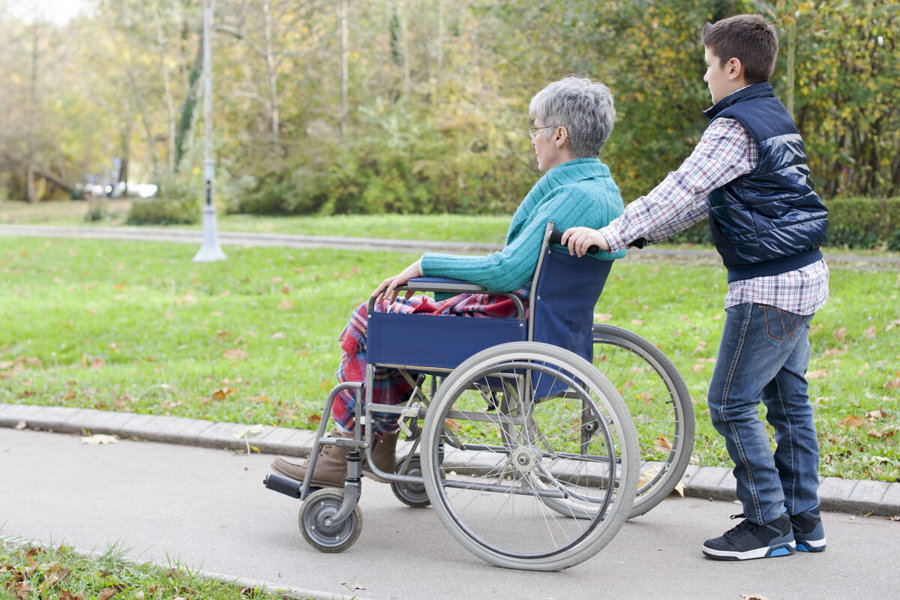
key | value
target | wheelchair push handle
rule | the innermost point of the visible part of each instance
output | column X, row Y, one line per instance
column 556, row 238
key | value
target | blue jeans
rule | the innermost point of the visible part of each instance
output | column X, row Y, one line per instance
column 763, row 356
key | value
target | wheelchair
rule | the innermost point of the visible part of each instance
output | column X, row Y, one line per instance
column 526, row 449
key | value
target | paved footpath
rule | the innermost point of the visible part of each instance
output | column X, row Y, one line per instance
column 200, row 501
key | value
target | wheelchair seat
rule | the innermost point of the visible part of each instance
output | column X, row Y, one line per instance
column 564, row 291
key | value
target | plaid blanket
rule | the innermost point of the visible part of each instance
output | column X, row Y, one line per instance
column 390, row 386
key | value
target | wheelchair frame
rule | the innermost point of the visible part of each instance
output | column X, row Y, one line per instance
column 330, row 519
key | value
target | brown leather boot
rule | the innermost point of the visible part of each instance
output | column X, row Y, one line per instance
column 384, row 457
column 331, row 465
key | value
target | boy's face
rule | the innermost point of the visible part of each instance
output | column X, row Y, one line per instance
column 721, row 79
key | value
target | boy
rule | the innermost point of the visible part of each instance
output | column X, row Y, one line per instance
column 748, row 175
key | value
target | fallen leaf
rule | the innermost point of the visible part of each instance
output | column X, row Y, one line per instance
column 875, row 414
column 286, row 305
column 817, row 374
column 235, row 354
column 870, row 332
column 835, row 351
column 852, row 422
column 23, row 589
column 662, row 443
column 701, row 346
column 221, row 393
column 602, row 317
column 248, row 431
column 840, row 334
column 753, row 597
column 21, row 425
column 892, row 384
column 277, row 336
column 353, row 585
column 679, row 488
column 109, row 592
column 874, row 433
column 99, row 439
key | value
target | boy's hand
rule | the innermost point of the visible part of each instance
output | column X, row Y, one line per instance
column 579, row 239
column 388, row 287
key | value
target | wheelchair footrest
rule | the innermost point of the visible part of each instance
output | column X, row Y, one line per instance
column 284, row 485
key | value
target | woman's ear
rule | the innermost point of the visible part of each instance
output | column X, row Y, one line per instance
column 561, row 136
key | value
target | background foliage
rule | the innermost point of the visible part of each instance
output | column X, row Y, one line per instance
column 413, row 106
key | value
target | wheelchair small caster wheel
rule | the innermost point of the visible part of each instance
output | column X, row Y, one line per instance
column 316, row 525
column 411, row 494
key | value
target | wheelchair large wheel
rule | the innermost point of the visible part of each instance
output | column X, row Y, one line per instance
column 317, row 528
column 531, row 436
column 660, row 405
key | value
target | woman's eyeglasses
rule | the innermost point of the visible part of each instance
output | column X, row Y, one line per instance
column 533, row 131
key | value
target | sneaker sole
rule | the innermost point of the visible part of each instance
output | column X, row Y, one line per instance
column 811, row 545
column 767, row 552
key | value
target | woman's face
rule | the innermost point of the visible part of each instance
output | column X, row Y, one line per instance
column 547, row 147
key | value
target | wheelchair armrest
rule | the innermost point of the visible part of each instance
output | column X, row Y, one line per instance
column 451, row 287
column 442, row 284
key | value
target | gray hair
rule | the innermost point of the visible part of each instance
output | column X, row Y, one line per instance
column 583, row 106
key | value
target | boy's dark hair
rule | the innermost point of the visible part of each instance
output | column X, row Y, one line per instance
column 749, row 39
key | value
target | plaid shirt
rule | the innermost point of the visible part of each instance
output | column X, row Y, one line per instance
column 724, row 153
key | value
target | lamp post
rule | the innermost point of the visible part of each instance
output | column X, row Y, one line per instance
column 209, row 249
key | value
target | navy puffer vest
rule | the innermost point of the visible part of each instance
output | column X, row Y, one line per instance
column 769, row 221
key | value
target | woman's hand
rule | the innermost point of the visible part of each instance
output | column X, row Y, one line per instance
column 579, row 239
column 388, row 287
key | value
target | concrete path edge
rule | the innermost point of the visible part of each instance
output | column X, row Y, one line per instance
column 864, row 497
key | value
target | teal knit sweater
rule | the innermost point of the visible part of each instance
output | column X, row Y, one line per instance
column 580, row 192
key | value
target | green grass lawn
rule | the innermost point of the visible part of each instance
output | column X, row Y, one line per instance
column 28, row 571
column 139, row 327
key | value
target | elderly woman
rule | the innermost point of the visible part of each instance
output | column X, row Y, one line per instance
column 572, row 121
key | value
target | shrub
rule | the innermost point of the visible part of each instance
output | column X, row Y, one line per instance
column 864, row 223
column 177, row 203
column 859, row 223
column 164, row 211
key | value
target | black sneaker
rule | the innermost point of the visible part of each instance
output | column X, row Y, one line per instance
column 749, row 540
column 808, row 531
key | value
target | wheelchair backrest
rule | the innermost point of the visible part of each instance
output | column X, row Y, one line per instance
column 564, row 291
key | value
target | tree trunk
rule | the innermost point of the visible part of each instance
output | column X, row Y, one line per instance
column 440, row 43
column 792, row 51
column 167, row 87
column 126, row 155
column 345, row 77
column 30, row 195
column 186, row 120
column 272, row 73
column 404, row 48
